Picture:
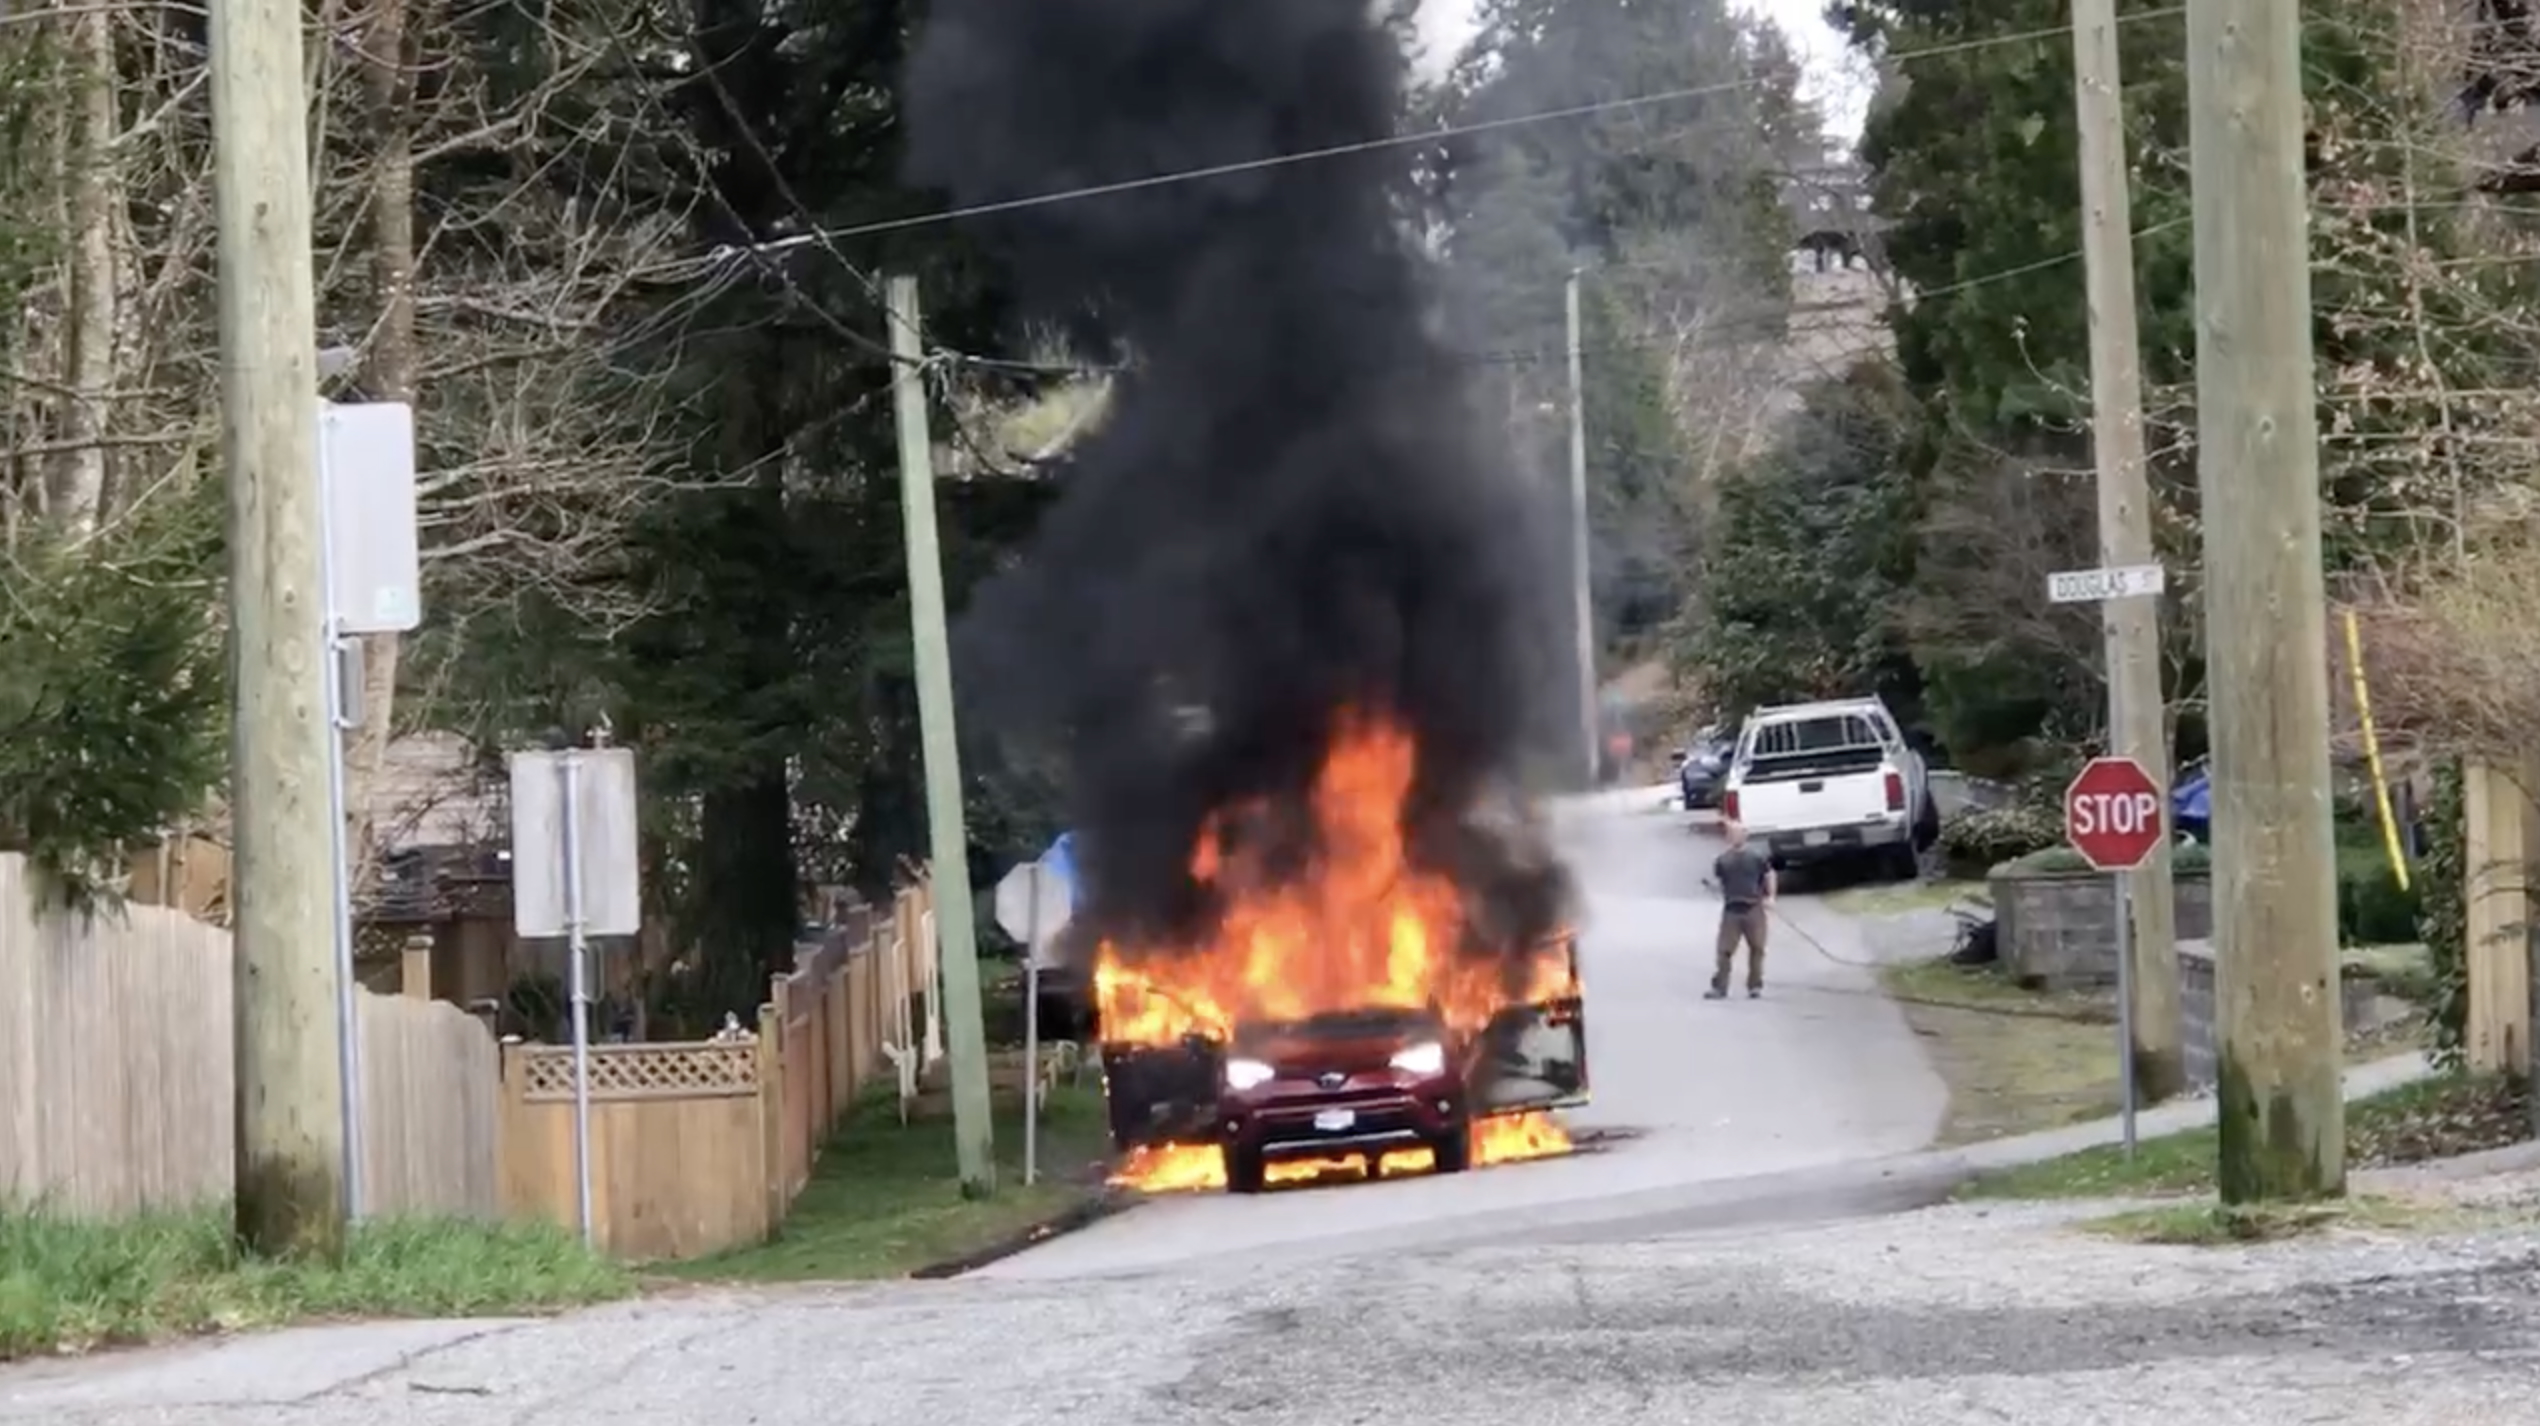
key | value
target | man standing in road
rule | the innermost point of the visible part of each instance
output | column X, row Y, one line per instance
column 1746, row 884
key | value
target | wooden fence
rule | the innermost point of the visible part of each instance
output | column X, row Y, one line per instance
column 116, row 1072
column 702, row 1146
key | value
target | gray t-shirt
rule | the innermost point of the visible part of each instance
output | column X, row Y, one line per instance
column 1740, row 872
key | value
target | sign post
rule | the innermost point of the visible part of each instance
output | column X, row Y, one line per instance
column 370, row 564
column 2112, row 817
column 1032, row 902
column 575, row 870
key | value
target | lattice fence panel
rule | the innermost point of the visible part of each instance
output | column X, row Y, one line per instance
column 646, row 1071
column 382, row 940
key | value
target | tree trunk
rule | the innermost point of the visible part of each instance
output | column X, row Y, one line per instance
column 388, row 372
column 746, row 911
column 77, row 481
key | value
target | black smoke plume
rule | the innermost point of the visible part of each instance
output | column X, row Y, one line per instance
column 1293, row 506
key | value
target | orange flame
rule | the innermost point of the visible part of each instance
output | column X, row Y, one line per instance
column 1361, row 929
column 1193, row 1168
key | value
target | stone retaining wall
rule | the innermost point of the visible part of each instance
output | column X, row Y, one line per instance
column 2361, row 1006
column 2059, row 929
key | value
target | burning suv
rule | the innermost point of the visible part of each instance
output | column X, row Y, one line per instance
column 1364, row 1082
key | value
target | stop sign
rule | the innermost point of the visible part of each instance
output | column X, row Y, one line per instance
column 2112, row 814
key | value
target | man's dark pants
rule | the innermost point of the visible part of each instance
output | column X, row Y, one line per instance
column 1738, row 923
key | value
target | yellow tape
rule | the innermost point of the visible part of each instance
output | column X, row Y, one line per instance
column 2372, row 754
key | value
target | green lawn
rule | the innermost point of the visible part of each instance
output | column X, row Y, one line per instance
column 2203, row 1223
column 1897, row 898
column 2015, row 1060
column 885, row 1199
column 67, row 1286
column 2431, row 1119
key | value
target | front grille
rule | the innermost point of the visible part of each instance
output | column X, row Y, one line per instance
column 1389, row 1116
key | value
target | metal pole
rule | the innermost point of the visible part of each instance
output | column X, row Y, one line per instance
column 348, row 1059
column 1580, row 590
column 579, row 991
column 2125, row 1006
column 1032, row 1028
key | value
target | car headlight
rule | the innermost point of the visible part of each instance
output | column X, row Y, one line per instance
column 1422, row 1059
column 1248, row 1074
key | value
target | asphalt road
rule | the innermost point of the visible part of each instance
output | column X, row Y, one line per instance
column 1686, row 1092
column 1927, row 1319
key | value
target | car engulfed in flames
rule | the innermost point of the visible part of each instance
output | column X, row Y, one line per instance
column 1336, row 1017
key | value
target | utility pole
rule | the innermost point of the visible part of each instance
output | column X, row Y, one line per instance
column 2282, row 1116
column 973, row 1132
column 2137, row 713
column 290, row 1128
column 1590, row 724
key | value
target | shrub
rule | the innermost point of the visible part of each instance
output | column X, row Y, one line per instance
column 113, row 688
column 2186, row 859
column 2372, row 908
column 2443, row 917
column 1987, row 837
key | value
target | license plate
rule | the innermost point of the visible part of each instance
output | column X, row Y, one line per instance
column 1332, row 1121
column 1815, row 839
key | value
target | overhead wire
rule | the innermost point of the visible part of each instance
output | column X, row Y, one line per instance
column 1411, row 139
column 718, row 263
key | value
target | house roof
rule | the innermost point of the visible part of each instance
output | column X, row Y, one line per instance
column 436, row 790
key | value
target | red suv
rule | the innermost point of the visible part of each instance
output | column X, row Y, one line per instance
column 1357, row 1082
column 1351, row 1082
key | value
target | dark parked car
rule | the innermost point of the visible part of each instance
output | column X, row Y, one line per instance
column 1703, row 767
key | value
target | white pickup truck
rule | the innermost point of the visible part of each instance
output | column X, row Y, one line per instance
column 1816, row 781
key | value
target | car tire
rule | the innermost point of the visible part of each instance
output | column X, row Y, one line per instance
column 1927, row 827
column 1453, row 1152
column 1903, row 862
column 1245, row 1170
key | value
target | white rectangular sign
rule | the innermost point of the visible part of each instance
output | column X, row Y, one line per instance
column 604, row 843
column 366, row 462
column 2089, row 586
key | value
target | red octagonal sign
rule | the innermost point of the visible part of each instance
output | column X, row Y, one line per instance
column 2112, row 814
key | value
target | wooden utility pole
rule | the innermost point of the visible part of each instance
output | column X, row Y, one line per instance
column 1583, row 599
column 290, row 1175
column 967, row 1037
column 2137, row 713
column 2283, row 1132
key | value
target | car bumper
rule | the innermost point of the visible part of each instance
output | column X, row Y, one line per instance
column 1820, row 843
column 1352, row 1123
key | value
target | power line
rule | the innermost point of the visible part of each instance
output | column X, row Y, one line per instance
column 757, row 254
column 1391, row 141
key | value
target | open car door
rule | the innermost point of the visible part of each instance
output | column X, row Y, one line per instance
column 1534, row 1057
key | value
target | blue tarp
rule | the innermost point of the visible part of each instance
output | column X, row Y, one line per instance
column 1059, row 863
column 2192, row 801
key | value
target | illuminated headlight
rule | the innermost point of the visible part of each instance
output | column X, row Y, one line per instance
column 1422, row 1059
column 1248, row 1074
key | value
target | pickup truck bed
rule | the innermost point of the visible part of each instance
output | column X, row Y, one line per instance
column 1821, row 785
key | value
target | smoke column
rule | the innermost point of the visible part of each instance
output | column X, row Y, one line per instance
column 1293, row 505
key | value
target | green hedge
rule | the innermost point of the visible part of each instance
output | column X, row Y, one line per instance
column 2060, row 859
